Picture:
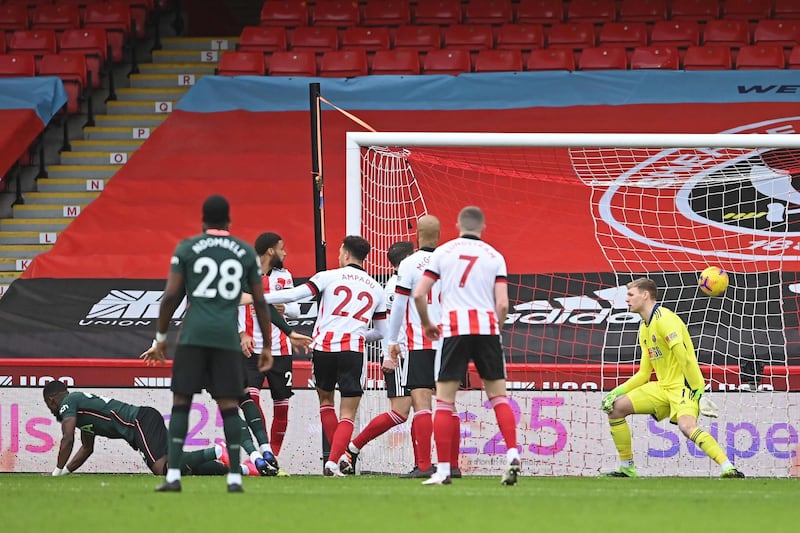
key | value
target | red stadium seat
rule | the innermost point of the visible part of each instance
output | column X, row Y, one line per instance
column 520, row 37
column 697, row 10
column 593, row 11
column 540, row 12
column 574, row 35
column 747, row 9
column 369, row 39
column 623, row 34
column 17, row 66
column 551, row 59
column 344, row 64
column 419, row 38
column 71, row 68
column 707, row 58
column 760, row 57
column 115, row 18
column 396, row 62
column 386, row 13
column 733, row 33
column 603, row 58
column 336, row 13
column 494, row 12
column 468, row 37
column 295, row 63
column 787, row 9
column 655, row 57
column 778, row 32
column 794, row 58
column 33, row 42
column 498, row 61
column 57, row 17
column 263, row 39
column 13, row 17
column 288, row 14
column 445, row 61
column 2, row 44
column 315, row 39
column 642, row 10
column 241, row 64
column 440, row 12
column 139, row 10
column 680, row 33
column 92, row 43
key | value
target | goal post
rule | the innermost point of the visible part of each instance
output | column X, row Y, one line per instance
column 578, row 216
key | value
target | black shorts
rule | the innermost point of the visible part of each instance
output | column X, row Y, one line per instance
column 202, row 367
column 151, row 435
column 419, row 374
column 345, row 369
column 279, row 376
column 484, row 350
column 394, row 380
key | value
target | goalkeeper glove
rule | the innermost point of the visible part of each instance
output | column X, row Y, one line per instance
column 608, row 399
column 708, row 408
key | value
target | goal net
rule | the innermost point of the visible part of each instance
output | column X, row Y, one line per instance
column 578, row 216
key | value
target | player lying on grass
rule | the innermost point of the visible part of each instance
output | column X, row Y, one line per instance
column 667, row 348
column 143, row 428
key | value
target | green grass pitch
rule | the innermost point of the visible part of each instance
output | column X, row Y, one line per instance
column 127, row 503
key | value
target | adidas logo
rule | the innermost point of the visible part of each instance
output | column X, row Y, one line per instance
column 603, row 306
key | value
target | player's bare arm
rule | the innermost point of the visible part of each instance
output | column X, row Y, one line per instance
column 501, row 300
column 83, row 453
column 421, row 301
column 247, row 342
column 264, row 322
column 300, row 343
column 68, row 426
column 173, row 295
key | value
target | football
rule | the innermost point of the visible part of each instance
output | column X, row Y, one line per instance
column 713, row 281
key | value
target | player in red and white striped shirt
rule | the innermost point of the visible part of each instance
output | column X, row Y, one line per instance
column 272, row 253
column 349, row 300
column 474, row 291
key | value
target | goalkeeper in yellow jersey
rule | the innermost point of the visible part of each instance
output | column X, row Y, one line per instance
column 666, row 348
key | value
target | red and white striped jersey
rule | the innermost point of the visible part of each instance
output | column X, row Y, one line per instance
column 389, row 291
column 278, row 278
column 349, row 300
column 409, row 273
column 467, row 269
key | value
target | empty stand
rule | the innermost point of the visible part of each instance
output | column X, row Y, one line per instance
column 698, row 10
column 760, row 57
column 57, row 17
column 139, row 10
column 33, row 42
column 92, row 43
column 2, row 44
column 366, row 38
column 17, row 65
column 520, row 37
column 13, row 17
column 642, row 11
column 551, row 59
column 623, row 34
column 787, row 9
column 655, row 57
column 386, row 13
column 115, row 18
column 344, row 64
column 420, row 38
column 440, row 12
column 494, row 12
column 753, row 10
column 445, row 61
column 574, row 35
column 732, row 33
column 468, row 37
column 396, row 62
column 287, row 14
column 336, row 13
column 794, row 58
column 603, row 58
column 71, row 68
column 540, row 12
column 499, row 61
column 778, row 32
column 592, row 11
column 262, row 39
column 679, row 33
column 293, row 63
column 707, row 58
column 241, row 64
column 315, row 38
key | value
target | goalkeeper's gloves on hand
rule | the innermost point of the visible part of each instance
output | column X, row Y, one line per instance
column 708, row 408
column 610, row 398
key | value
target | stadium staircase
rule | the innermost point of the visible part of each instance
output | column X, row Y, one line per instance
column 81, row 173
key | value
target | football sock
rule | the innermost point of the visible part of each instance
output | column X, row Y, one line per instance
column 247, row 439
column 422, row 432
column 709, row 445
column 178, row 426
column 192, row 459
column 252, row 414
column 443, row 431
column 505, row 419
column 340, row 439
column 232, row 427
column 621, row 435
column 255, row 395
column 209, row 468
column 327, row 415
column 455, row 440
column 377, row 427
column 280, row 419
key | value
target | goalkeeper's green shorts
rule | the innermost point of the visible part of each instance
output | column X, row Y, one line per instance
column 652, row 399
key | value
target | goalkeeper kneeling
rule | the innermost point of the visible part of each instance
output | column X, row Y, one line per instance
column 667, row 349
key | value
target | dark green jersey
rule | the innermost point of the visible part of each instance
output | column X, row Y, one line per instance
column 216, row 266
column 103, row 417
